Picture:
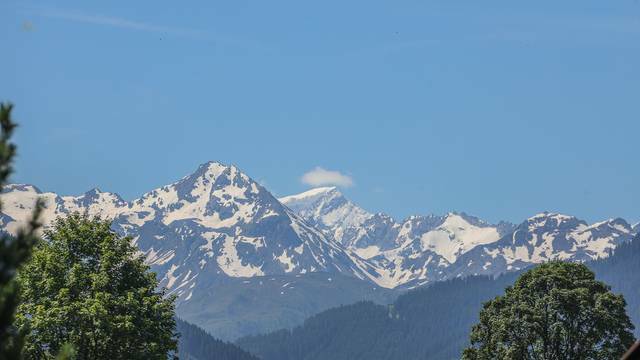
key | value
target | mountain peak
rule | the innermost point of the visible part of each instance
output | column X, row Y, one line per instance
column 310, row 194
column 613, row 223
column 550, row 215
column 334, row 214
column 210, row 169
column 21, row 187
column 472, row 220
column 95, row 195
column 212, row 163
column 552, row 220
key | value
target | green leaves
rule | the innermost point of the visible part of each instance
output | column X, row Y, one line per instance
column 7, row 149
column 66, row 353
column 88, row 287
column 555, row 311
column 13, row 250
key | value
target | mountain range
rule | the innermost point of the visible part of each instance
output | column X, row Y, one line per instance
column 422, row 249
column 224, row 245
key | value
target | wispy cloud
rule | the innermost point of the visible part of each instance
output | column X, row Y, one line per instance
column 322, row 177
column 119, row 22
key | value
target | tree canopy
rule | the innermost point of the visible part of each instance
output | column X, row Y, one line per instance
column 86, row 286
column 14, row 250
column 554, row 311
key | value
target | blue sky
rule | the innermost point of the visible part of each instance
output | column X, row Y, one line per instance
column 495, row 108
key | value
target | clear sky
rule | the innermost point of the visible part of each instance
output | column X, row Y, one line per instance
column 501, row 109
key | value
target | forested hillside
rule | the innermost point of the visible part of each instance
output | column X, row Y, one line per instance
column 622, row 272
column 428, row 323
column 196, row 344
column 433, row 322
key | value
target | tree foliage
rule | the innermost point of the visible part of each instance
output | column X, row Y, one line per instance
column 554, row 311
column 86, row 286
column 14, row 250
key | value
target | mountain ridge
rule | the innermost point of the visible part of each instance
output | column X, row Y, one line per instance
column 219, row 226
column 424, row 248
column 339, row 235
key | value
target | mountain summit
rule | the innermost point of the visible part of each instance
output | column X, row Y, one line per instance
column 336, row 216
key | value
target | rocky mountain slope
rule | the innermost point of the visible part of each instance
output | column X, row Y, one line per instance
column 212, row 222
column 422, row 249
column 544, row 237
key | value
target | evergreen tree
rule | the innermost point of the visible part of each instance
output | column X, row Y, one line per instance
column 620, row 271
column 14, row 250
column 197, row 344
column 88, row 287
column 555, row 311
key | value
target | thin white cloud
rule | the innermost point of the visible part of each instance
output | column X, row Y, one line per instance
column 322, row 177
column 127, row 24
column 119, row 23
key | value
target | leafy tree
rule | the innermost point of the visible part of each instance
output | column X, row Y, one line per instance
column 554, row 311
column 14, row 250
column 88, row 287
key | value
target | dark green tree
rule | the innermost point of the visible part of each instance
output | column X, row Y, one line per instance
column 88, row 287
column 14, row 250
column 554, row 311
column 197, row 344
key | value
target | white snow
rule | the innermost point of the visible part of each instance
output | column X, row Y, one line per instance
column 367, row 252
column 231, row 263
column 328, row 207
column 456, row 236
column 307, row 194
column 287, row 261
column 171, row 279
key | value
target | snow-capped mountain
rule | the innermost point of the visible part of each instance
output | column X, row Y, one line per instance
column 428, row 245
column 18, row 201
column 216, row 221
column 449, row 236
column 328, row 210
column 372, row 235
column 543, row 237
column 422, row 249
column 418, row 248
